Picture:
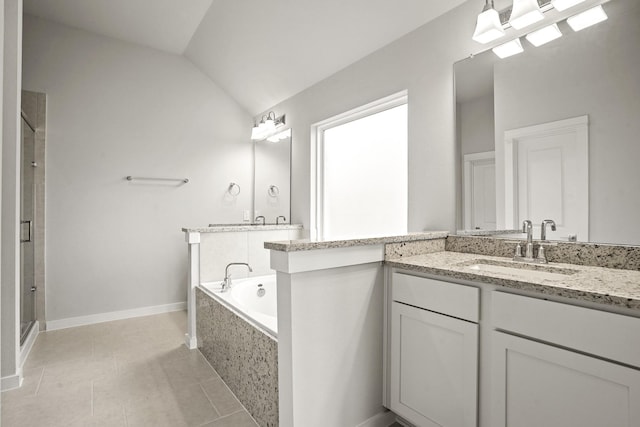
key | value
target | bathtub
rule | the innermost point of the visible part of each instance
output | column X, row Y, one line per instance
column 237, row 333
column 254, row 299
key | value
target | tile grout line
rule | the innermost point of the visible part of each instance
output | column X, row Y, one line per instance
column 92, row 397
column 215, row 408
column 39, row 382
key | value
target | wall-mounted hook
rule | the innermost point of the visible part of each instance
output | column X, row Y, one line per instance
column 273, row 191
column 234, row 189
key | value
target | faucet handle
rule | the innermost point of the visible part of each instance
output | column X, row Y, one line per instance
column 541, row 258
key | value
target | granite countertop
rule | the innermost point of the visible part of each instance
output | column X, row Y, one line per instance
column 601, row 285
column 221, row 228
column 309, row 245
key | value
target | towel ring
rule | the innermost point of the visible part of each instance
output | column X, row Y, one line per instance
column 273, row 191
column 234, row 189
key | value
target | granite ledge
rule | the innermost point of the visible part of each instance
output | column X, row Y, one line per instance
column 607, row 286
column 222, row 228
column 309, row 245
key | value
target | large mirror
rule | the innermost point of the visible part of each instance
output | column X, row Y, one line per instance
column 554, row 133
column 272, row 187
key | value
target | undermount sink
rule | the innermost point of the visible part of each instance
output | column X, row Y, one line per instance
column 520, row 270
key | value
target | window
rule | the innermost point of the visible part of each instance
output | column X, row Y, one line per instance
column 361, row 172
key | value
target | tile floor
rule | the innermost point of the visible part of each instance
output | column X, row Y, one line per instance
column 133, row 372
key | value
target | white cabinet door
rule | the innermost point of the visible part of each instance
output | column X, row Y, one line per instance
column 536, row 385
column 434, row 368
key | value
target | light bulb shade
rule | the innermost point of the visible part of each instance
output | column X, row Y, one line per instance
column 255, row 133
column 269, row 125
column 561, row 5
column 525, row 13
column 544, row 35
column 488, row 27
column 587, row 18
column 507, row 49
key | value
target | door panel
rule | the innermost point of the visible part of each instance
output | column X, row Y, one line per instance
column 27, row 231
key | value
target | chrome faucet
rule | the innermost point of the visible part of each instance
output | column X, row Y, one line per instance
column 543, row 228
column 258, row 218
column 284, row 220
column 527, row 227
column 226, row 283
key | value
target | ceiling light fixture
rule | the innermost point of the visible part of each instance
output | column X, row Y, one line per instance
column 525, row 13
column 267, row 126
column 544, row 35
column 562, row 5
column 509, row 48
column 587, row 18
column 488, row 25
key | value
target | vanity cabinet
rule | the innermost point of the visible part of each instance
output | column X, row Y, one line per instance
column 536, row 383
column 434, row 351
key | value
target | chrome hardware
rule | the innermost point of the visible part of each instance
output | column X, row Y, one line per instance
column 527, row 227
column 261, row 291
column 284, row 220
column 259, row 217
column 33, row 289
column 541, row 258
column 142, row 178
column 34, row 165
column 273, row 191
column 233, row 189
column 543, row 228
column 572, row 237
column 518, row 253
column 226, row 283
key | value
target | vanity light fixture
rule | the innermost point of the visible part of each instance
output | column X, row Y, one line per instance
column 280, row 136
column 525, row 13
column 509, row 48
column 267, row 126
column 544, row 35
column 561, row 5
column 488, row 25
column 587, row 18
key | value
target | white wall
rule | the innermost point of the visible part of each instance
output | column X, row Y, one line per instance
column 422, row 63
column 117, row 109
column 592, row 72
column 12, row 11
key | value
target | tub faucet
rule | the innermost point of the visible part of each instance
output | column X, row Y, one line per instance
column 278, row 219
column 226, row 283
column 527, row 227
column 258, row 218
column 543, row 228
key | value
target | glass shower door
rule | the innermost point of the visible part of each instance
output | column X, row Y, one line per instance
column 27, row 245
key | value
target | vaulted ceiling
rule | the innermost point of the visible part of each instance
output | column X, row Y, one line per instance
column 261, row 53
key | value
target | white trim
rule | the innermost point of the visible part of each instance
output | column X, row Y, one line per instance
column 190, row 342
column 579, row 125
column 25, row 349
column 321, row 259
column 317, row 143
column 71, row 322
column 11, row 382
column 381, row 419
column 467, row 179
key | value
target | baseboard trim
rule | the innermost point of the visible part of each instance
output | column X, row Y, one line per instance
column 11, row 382
column 25, row 349
column 190, row 342
column 381, row 419
column 71, row 322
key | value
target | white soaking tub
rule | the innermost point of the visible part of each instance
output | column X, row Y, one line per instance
column 253, row 298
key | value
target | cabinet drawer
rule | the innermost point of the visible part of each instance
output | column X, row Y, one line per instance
column 447, row 298
column 608, row 335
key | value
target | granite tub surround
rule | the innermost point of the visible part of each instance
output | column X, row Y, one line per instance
column 310, row 245
column 224, row 228
column 245, row 357
column 588, row 254
column 608, row 286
